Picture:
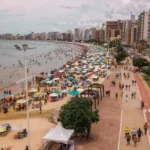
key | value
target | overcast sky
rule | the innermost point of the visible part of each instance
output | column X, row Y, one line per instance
column 24, row 16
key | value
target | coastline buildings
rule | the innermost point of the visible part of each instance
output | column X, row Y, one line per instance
column 129, row 36
column 113, row 30
column 129, row 32
column 144, row 26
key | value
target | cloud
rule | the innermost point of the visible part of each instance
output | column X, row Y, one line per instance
column 67, row 7
column 50, row 15
column 5, row 10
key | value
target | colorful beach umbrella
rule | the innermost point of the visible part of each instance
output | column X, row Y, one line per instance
column 2, row 129
column 73, row 93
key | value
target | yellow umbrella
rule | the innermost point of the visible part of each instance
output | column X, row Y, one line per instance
column 38, row 93
column 2, row 129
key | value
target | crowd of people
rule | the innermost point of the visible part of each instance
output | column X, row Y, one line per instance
column 135, row 134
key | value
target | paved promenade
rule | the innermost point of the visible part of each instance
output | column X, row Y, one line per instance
column 132, row 116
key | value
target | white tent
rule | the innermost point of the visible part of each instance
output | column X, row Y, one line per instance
column 59, row 134
column 53, row 95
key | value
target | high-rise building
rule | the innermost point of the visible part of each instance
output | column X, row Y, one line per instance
column 77, row 34
column 127, row 25
column 86, row 34
column 113, row 29
column 144, row 26
column 92, row 33
column 133, row 38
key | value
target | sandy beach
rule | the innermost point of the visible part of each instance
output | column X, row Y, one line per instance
column 39, row 124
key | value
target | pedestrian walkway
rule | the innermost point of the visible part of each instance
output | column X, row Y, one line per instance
column 132, row 116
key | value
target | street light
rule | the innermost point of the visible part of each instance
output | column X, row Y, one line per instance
column 24, row 48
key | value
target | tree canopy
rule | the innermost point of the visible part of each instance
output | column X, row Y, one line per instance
column 78, row 115
column 146, row 70
column 121, row 54
column 140, row 62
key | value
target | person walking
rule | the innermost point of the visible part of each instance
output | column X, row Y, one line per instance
column 139, row 133
column 127, row 131
column 116, row 95
column 126, row 98
column 128, row 138
column 133, row 133
column 135, row 140
column 26, row 148
column 40, row 107
column 145, row 128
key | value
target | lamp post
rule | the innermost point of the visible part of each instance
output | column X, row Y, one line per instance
column 25, row 47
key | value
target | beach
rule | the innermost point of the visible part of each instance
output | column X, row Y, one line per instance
column 82, row 72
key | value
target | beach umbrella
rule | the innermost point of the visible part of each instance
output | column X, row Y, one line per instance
column 73, row 93
column 75, row 86
column 8, row 97
column 49, row 82
column 55, row 79
column 84, row 82
column 64, row 91
column 57, row 92
column 63, row 83
column 2, row 129
column 43, row 81
column 80, row 90
column 49, row 75
column 5, row 95
column 33, row 90
column 53, row 95
column 61, row 71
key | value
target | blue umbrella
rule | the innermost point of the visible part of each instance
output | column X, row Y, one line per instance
column 63, row 83
column 57, row 92
column 84, row 82
column 73, row 93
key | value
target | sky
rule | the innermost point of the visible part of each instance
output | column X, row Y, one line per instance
column 25, row 16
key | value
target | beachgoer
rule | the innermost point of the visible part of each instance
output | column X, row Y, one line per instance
column 133, row 133
column 139, row 133
column 135, row 140
column 126, row 98
column 116, row 95
column 145, row 128
column 127, row 131
column 128, row 138
column 26, row 148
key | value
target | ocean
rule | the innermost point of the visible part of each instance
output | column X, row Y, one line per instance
column 45, row 57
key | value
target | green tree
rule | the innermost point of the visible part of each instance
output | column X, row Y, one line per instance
column 78, row 115
column 140, row 62
column 146, row 70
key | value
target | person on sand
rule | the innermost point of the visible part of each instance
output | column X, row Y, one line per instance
column 26, row 148
column 40, row 107
column 145, row 128
column 116, row 95
column 126, row 98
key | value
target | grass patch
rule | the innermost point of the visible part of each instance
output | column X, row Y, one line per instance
column 147, row 79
